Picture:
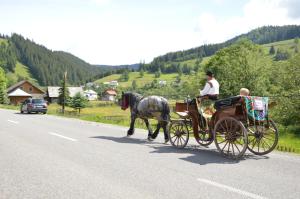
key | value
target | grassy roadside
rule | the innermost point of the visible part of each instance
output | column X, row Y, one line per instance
column 110, row 113
column 11, row 107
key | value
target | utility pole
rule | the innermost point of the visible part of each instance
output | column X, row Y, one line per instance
column 64, row 92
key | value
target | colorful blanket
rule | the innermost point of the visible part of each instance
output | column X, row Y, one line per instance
column 257, row 107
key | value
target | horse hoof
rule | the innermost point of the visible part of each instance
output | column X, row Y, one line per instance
column 153, row 137
column 129, row 133
column 150, row 139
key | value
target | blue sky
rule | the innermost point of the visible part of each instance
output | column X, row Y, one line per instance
column 128, row 31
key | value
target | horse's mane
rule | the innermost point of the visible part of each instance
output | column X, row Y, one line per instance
column 133, row 98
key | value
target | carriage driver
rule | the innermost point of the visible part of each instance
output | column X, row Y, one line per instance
column 211, row 88
column 209, row 94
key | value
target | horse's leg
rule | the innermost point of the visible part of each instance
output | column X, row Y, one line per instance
column 149, row 128
column 154, row 135
column 165, row 128
column 131, row 129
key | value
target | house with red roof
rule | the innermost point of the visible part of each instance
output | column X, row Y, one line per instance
column 109, row 95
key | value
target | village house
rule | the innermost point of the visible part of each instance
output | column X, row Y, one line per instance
column 109, row 95
column 162, row 82
column 112, row 84
column 53, row 93
column 91, row 95
column 22, row 90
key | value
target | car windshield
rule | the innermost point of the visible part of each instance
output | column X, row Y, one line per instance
column 37, row 101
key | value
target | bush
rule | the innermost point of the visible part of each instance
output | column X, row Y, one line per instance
column 78, row 102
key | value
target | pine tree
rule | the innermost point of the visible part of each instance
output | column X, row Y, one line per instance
column 158, row 73
column 197, row 66
column 142, row 73
column 64, row 95
column 272, row 50
column 134, row 85
column 3, row 97
column 179, row 70
column 125, row 76
column 78, row 102
column 296, row 49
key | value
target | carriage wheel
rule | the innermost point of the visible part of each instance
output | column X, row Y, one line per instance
column 205, row 138
column 230, row 137
column 178, row 134
column 263, row 138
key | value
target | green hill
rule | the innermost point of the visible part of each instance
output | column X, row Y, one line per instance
column 45, row 66
column 286, row 45
column 141, row 81
column 173, row 61
column 21, row 73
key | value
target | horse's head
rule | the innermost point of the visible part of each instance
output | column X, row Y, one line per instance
column 124, row 103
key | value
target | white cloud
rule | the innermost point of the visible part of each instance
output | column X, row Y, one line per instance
column 256, row 13
column 219, row 2
column 293, row 7
column 100, row 2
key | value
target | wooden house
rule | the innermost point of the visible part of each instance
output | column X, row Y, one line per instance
column 22, row 90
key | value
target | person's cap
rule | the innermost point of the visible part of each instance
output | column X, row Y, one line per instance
column 209, row 73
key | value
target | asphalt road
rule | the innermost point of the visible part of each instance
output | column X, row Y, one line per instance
column 44, row 156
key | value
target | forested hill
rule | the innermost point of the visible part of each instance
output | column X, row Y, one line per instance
column 118, row 67
column 263, row 35
column 46, row 66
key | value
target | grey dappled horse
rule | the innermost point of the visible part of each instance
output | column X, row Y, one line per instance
column 147, row 107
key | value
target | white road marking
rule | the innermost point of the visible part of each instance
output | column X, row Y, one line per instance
column 225, row 187
column 15, row 122
column 61, row 136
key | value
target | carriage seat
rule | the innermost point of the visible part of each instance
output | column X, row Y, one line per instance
column 227, row 102
column 183, row 115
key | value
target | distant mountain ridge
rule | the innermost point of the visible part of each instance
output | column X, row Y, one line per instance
column 169, row 62
column 116, row 67
column 262, row 35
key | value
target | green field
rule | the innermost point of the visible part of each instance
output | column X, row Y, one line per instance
column 286, row 45
column 141, row 81
column 3, row 41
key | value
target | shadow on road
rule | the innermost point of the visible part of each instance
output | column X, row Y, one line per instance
column 122, row 139
column 194, row 154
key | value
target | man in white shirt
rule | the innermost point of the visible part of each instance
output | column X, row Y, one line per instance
column 211, row 88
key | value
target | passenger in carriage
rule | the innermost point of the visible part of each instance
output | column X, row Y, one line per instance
column 244, row 92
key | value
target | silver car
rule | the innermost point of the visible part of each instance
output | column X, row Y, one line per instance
column 34, row 105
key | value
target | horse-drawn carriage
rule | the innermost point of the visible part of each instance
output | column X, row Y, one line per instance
column 237, row 124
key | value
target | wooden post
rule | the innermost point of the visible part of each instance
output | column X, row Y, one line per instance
column 64, row 92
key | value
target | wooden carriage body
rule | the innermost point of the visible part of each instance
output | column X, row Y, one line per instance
column 236, row 125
